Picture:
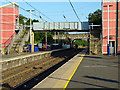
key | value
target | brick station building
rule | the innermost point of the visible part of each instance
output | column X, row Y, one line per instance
column 114, row 26
column 9, row 18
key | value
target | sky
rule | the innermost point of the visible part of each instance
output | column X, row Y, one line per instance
column 54, row 0
column 55, row 10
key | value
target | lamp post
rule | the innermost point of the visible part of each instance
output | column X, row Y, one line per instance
column 108, row 46
column 31, row 36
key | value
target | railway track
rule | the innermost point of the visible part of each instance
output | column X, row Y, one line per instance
column 20, row 76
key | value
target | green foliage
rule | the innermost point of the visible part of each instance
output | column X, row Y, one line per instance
column 81, row 42
column 40, row 37
column 37, row 37
column 34, row 20
column 50, row 38
column 96, row 17
column 21, row 19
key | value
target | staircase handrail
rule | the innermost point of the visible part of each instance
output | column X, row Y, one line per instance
column 25, row 38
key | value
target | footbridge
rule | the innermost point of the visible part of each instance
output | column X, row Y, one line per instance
column 61, row 26
column 93, row 36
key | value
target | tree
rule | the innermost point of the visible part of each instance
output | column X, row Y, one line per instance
column 81, row 42
column 96, row 17
column 34, row 20
column 21, row 19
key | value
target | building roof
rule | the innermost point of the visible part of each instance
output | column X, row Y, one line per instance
column 110, row 0
column 8, row 5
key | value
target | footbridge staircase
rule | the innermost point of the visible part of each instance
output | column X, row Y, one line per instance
column 17, row 42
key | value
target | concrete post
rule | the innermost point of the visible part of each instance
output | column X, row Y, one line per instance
column 32, row 41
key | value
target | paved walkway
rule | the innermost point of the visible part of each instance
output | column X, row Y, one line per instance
column 89, row 72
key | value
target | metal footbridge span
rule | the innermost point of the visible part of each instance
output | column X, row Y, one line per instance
column 61, row 26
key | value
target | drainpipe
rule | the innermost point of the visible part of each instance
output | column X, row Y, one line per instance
column 116, row 27
column 102, row 26
column 1, row 32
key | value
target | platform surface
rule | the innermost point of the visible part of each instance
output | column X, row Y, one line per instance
column 89, row 71
column 9, row 57
column 96, row 72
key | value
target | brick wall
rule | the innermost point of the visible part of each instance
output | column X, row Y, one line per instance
column 112, row 24
column 9, row 16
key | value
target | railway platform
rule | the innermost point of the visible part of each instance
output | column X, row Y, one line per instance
column 84, row 72
column 10, row 61
column 6, row 57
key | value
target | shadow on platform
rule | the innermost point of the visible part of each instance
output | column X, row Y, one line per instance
column 79, row 82
column 91, row 57
column 97, row 78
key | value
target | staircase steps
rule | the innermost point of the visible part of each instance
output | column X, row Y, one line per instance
column 17, row 43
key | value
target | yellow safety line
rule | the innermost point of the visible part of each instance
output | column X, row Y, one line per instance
column 73, row 72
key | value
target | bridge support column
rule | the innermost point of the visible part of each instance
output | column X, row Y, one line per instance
column 95, row 42
column 71, row 43
column 58, row 39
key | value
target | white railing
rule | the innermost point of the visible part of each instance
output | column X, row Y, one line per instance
column 25, row 38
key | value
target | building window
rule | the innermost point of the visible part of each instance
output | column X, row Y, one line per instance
column 16, row 21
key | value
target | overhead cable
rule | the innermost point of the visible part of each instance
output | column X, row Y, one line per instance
column 74, row 10
column 38, row 10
